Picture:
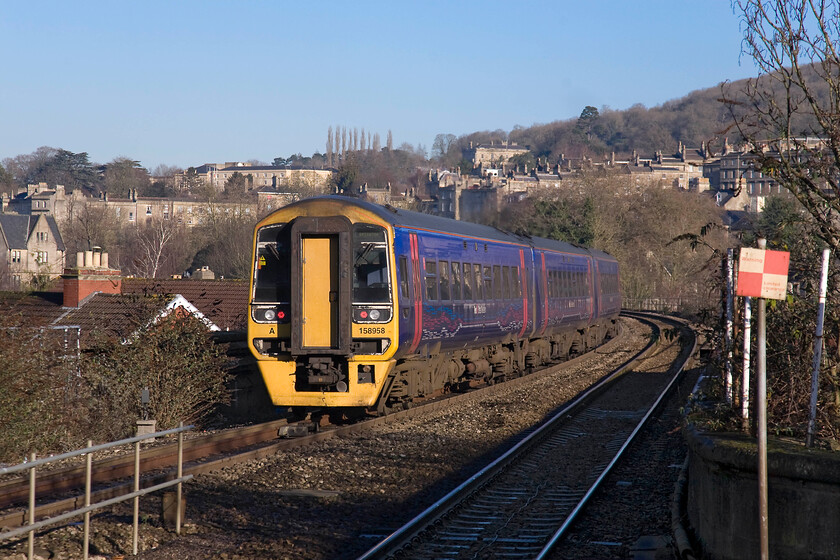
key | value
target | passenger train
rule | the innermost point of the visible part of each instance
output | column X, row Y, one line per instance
column 357, row 307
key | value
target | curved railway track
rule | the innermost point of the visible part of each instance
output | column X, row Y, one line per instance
column 521, row 504
column 262, row 440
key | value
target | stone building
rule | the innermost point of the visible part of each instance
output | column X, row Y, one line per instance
column 494, row 155
column 31, row 249
column 258, row 176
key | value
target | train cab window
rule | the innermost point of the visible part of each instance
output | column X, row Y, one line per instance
column 443, row 272
column 514, row 282
column 272, row 273
column 497, row 281
column 488, row 283
column 468, row 281
column 456, row 281
column 370, row 265
column 404, row 276
column 479, row 282
column 505, row 282
column 431, row 280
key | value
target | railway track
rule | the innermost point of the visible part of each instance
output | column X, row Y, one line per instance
column 521, row 504
column 262, row 440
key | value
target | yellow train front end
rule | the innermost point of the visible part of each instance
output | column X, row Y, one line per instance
column 322, row 322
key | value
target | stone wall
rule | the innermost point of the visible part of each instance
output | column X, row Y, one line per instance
column 722, row 503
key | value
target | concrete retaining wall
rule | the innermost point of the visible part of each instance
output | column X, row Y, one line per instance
column 803, row 494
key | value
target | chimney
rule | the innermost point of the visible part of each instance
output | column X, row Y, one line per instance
column 91, row 275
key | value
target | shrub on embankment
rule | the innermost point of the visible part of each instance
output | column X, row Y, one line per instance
column 53, row 398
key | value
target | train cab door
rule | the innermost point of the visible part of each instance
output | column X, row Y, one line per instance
column 411, row 296
column 321, row 285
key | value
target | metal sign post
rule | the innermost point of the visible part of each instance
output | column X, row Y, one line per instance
column 818, row 344
column 727, row 335
column 745, row 380
column 762, row 274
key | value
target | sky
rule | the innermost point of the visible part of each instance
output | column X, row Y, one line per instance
column 184, row 82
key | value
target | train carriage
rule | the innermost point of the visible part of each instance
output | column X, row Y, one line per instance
column 357, row 306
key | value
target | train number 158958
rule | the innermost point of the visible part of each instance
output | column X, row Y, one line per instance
column 373, row 330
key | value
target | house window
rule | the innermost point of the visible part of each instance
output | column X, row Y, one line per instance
column 16, row 256
column 41, row 236
column 41, row 257
column 149, row 210
column 131, row 216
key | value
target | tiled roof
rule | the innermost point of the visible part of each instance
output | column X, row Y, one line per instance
column 16, row 228
column 225, row 302
column 107, row 314
column 39, row 308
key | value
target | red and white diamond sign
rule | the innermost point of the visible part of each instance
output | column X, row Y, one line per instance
column 762, row 273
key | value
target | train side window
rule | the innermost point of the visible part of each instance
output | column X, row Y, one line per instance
column 443, row 271
column 468, row 281
column 456, row 280
column 404, row 276
column 557, row 284
column 431, row 280
column 514, row 282
column 568, row 283
column 552, row 283
column 488, row 282
column 505, row 282
column 479, row 282
column 497, row 281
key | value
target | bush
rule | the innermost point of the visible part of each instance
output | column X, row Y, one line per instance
column 174, row 358
column 38, row 396
column 54, row 399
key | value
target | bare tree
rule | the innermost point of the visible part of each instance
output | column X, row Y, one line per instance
column 151, row 243
column 330, row 146
column 89, row 223
column 789, row 114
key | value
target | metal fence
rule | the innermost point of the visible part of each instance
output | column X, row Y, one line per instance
column 32, row 465
column 669, row 305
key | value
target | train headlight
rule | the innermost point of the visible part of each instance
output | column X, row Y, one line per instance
column 270, row 313
column 374, row 314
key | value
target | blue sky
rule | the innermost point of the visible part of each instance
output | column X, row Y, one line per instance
column 187, row 82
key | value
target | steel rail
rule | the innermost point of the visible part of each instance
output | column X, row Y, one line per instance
column 414, row 527
column 685, row 357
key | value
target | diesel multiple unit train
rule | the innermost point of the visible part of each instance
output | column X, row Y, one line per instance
column 359, row 307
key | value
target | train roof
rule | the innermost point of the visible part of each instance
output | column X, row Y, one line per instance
column 398, row 217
